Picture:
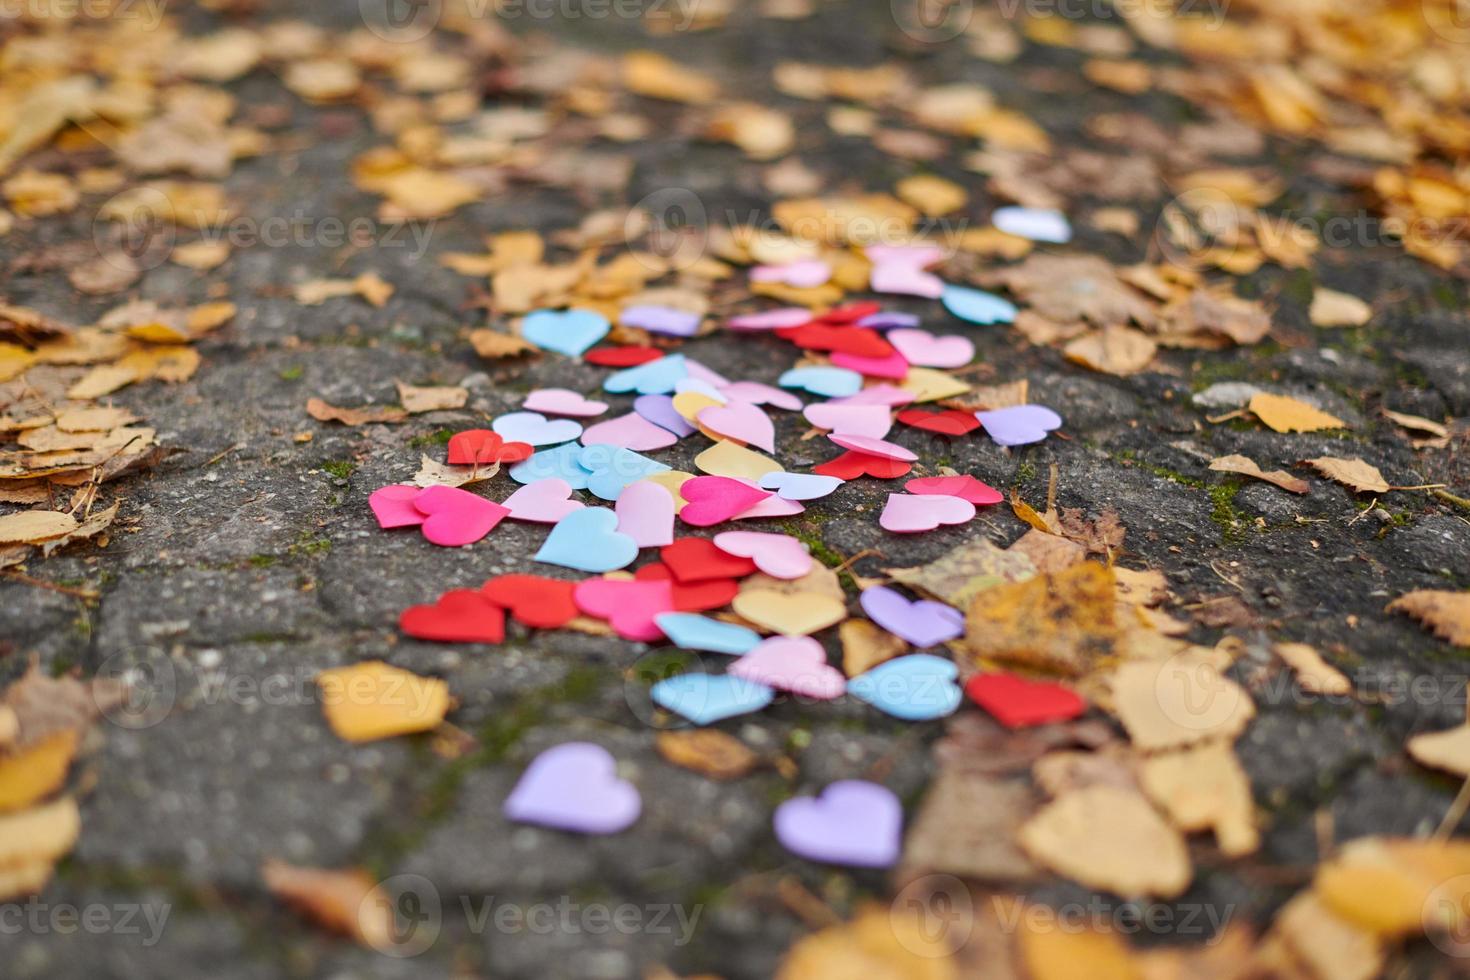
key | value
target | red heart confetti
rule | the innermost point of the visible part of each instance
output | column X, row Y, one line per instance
column 949, row 423
column 481, row 447
column 1017, row 702
column 698, row 560
column 965, row 487
column 622, row 357
column 852, row 464
column 692, row 596
column 534, row 600
column 849, row 340
column 460, row 616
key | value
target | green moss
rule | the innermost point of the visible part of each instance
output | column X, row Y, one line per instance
column 263, row 561
column 439, row 437
column 1026, row 472
column 340, row 468
column 293, row 373
column 311, row 544
column 1230, row 521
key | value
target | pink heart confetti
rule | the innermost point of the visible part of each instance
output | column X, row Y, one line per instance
column 631, row 431
column 904, row 256
column 716, row 499
column 788, row 316
column 761, row 394
column 922, row 349
column 870, row 420
column 873, row 447
column 542, row 501
column 393, row 506
column 772, row 506
column 455, row 517
column 646, row 514
column 965, row 487
column 805, row 274
column 778, row 555
column 905, row 280
column 562, row 401
column 791, row 663
column 910, row 513
column 879, row 394
column 742, row 422
column 630, row 608
column 893, row 366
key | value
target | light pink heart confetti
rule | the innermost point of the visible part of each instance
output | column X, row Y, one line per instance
column 646, row 514
column 874, row 447
column 542, row 501
column 761, row 394
column 879, row 394
column 908, row 256
column 805, row 274
column 741, row 421
column 789, row 316
column 563, row 401
column 791, row 663
column 893, row 366
column 923, row 349
column 778, row 555
column 631, row 431
column 874, row 421
column 909, row 514
column 903, row 280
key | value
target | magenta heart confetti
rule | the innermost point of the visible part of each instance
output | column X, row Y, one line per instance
column 393, row 506
column 454, row 517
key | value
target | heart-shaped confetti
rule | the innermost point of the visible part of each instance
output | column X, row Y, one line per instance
column 542, row 502
column 924, row 623
column 801, row 486
column 1036, row 224
column 659, row 409
column 922, row 348
column 569, row 332
column 879, row 394
column 773, row 506
column 630, row 355
column 664, row 320
column 575, row 787
column 716, row 499
column 562, row 463
column 691, row 631
column 698, row 560
column 1016, row 702
column 948, row 423
column 533, row 600
column 563, row 401
column 731, row 460
column 742, row 422
column 790, row 614
column 889, row 319
column 892, row 366
column 805, row 274
column 965, row 487
column 654, row 378
column 631, row 431
column 646, row 514
column 630, row 608
column 1019, row 425
column 393, row 506
column 482, row 447
column 828, row 382
column 454, row 517
column 853, row 822
column 797, row 664
column 859, row 341
column 918, row 687
column 770, row 319
column 976, row 305
column 873, row 447
column 912, row 256
column 692, row 596
column 588, row 540
column 459, row 616
column 905, row 280
column 535, row 429
column 873, row 421
column 778, row 555
column 707, row 698
column 851, row 465
column 911, row 513
column 611, row 468
column 761, row 394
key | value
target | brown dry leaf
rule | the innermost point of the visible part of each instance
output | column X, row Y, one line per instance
column 349, row 902
column 1067, row 289
column 1052, row 953
column 1414, row 423
column 650, row 74
column 963, row 573
column 1062, row 623
column 1102, row 536
column 1246, row 466
column 417, row 400
column 1178, row 702
column 1398, row 887
column 89, row 528
column 1333, row 309
column 421, row 193
column 1319, row 945
column 103, row 380
column 323, row 412
column 1109, row 839
column 933, row 196
column 1448, row 750
column 1284, row 414
column 32, row 841
column 36, row 771
column 1313, row 674
column 865, row 646
column 373, row 700
column 434, row 473
column 369, row 286
column 494, row 345
column 1050, row 553
column 34, row 526
column 202, row 255
column 1113, row 350
column 1205, row 788
column 879, row 943
column 1140, row 588
column 42, row 706
column 93, row 419
column 763, row 133
column 1353, row 473
column 967, row 826
column 1447, row 614
column 707, row 751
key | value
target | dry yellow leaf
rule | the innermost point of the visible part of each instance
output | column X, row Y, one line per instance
column 1179, row 701
column 373, row 700
column 418, row 192
column 1113, row 350
column 349, row 902
column 416, row 400
column 32, row 841
column 763, row 133
column 1398, row 887
column 865, row 646
column 30, row 526
column 1111, row 839
column 36, row 771
column 1448, row 750
column 323, row 412
column 650, row 74
column 93, row 419
column 879, row 944
column 1353, row 473
column 14, row 360
column 933, row 196
column 1313, row 674
column 1246, row 466
column 102, row 380
column 707, row 751
column 1322, row 945
column 1447, row 614
column 1063, row 622
column 203, row 255
column 494, row 345
column 1051, row 953
column 1205, row 788
column 1290, row 415
column 1333, row 309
